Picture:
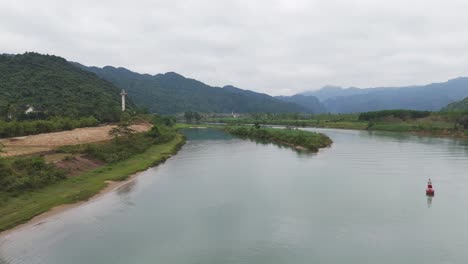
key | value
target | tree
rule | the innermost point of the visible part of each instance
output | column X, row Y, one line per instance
column 11, row 112
column 122, row 130
column 463, row 121
column 188, row 116
column 154, row 132
column 197, row 116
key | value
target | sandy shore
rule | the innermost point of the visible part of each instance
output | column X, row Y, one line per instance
column 42, row 218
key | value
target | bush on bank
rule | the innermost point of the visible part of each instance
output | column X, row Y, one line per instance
column 27, row 173
column 310, row 140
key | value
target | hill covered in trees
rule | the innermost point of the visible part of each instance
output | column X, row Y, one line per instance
column 458, row 106
column 310, row 102
column 51, row 86
column 431, row 97
column 173, row 93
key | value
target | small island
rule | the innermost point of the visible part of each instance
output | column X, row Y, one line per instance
column 299, row 139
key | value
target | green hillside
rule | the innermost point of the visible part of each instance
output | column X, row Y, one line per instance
column 53, row 87
column 173, row 93
column 310, row 102
column 458, row 106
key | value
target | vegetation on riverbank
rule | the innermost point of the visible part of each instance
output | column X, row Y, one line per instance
column 29, row 186
column 26, row 174
column 32, row 127
column 447, row 124
column 124, row 145
column 299, row 139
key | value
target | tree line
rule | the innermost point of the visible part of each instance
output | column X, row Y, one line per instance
column 23, row 128
column 401, row 114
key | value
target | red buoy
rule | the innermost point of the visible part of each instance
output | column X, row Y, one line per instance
column 429, row 191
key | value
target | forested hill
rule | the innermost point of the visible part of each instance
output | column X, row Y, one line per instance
column 458, row 106
column 54, row 87
column 311, row 103
column 432, row 97
column 173, row 93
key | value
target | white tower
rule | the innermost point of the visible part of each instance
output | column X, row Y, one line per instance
column 123, row 94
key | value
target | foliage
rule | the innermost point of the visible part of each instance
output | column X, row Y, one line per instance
column 54, row 87
column 190, row 116
column 441, row 123
column 458, row 106
column 124, row 146
column 168, row 121
column 23, row 128
column 401, row 114
column 295, row 119
column 463, row 121
column 311, row 103
column 22, row 207
column 310, row 140
column 21, row 174
column 122, row 130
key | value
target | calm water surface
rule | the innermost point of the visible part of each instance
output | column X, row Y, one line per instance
column 226, row 200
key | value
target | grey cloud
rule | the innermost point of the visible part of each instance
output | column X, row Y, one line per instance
column 277, row 47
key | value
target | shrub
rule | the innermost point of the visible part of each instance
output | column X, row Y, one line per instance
column 31, row 127
column 401, row 114
column 20, row 174
column 310, row 140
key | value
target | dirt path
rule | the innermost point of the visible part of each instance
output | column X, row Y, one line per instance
column 48, row 141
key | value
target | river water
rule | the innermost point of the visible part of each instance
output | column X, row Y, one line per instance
column 227, row 200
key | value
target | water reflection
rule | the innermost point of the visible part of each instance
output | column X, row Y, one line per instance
column 124, row 193
column 234, row 201
column 201, row 134
column 429, row 201
column 300, row 152
column 126, row 188
column 3, row 261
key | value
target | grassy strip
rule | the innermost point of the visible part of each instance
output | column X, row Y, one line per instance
column 324, row 123
column 311, row 141
column 419, row 127
column 17, row 210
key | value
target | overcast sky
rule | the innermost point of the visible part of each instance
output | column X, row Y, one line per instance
column 277, row 47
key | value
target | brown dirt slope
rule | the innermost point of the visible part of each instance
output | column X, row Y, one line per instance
column 48, row 141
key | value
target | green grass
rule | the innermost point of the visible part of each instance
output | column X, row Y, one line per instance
column 343, row 125
column 413, row 126
column 437, row 124
column 334, row 121
column 19, row 209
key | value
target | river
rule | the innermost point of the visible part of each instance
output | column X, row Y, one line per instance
column 227, row 200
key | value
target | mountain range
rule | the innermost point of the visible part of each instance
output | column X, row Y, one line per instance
column 432, row 97
column 170, row 93
column 56, row 86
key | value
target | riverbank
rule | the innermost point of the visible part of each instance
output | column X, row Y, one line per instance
column 298, row 139
column 25, row 206
column 422, row 127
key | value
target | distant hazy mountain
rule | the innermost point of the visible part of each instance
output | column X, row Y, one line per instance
column 311, row 103
column 431, row 97
column 52, row 86
column 173, row 93
column 458, row 106
column 330, row 91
